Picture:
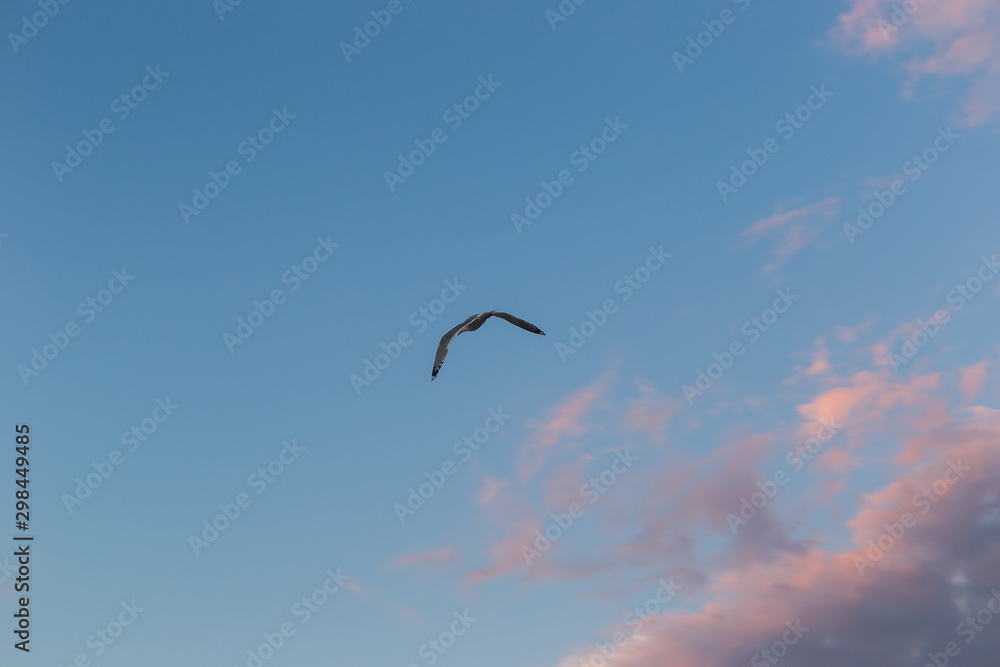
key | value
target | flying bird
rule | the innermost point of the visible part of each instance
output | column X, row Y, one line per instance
column 472, row 324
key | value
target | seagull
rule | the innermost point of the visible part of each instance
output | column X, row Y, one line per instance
column 472, row 324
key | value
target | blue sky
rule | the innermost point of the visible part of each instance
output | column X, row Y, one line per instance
column 306, row 213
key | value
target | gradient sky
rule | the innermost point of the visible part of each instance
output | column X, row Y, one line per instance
column 853, row 297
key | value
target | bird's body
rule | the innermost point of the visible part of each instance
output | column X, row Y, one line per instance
column 472, row 324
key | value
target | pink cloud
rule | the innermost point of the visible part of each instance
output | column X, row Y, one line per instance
column 820, row 364
column 870, row 399
column 651, row 411
column 506, row 553
column 796, row 228
column 838, row 404
column 492, row 487
column 443, row 556
column 973, row 379
column 861, row 604
column 851, row 334
column 564, row 421
column 773, row 571
column 836, row 460
column 677, row 501
column 687, row 498
column 507, row 503
column 562, row 486
column 956, row 38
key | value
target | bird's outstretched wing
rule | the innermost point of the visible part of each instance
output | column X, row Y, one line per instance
column 472, row 324
column 442, row 350
column 527, row 326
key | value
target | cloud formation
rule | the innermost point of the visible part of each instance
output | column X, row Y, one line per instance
column 923, row 559
column 794, row 229
column 936, row 38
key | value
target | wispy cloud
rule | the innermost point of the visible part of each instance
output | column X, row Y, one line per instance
column 848, row 335
column 564, row 421
column 973, row 379
column 882, row 598
column 954, row 38
column 505, row 553
column 443, row 556
column 650, row 412
column 820, row 361
column 794, row 229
